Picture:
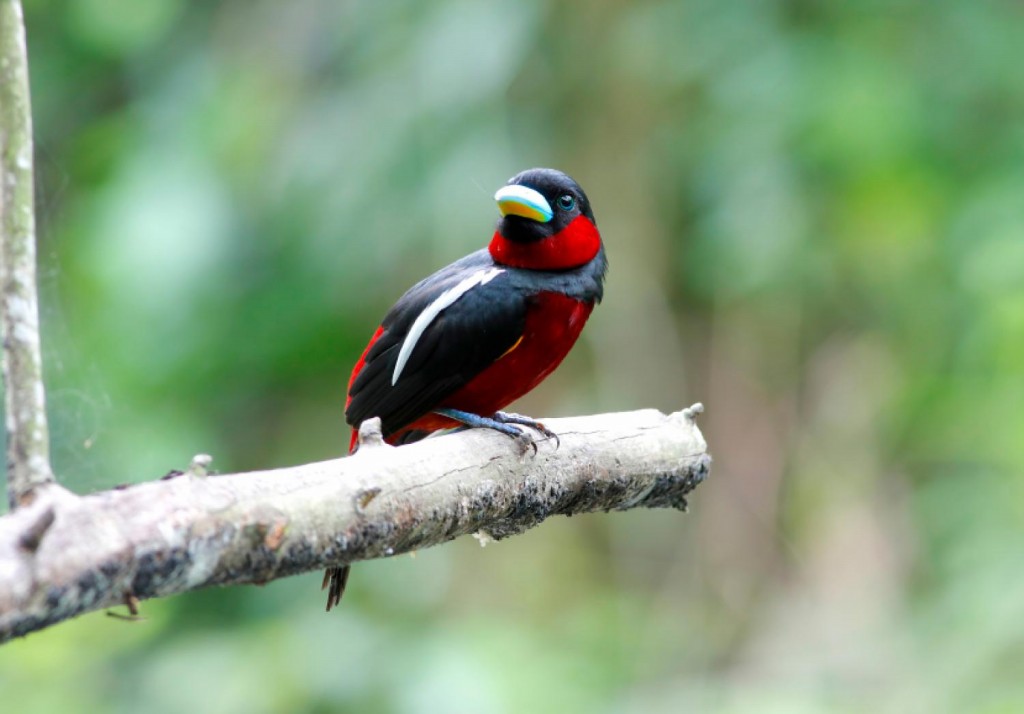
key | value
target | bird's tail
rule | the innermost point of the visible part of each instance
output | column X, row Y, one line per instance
column 335, row 579
column 336, row 576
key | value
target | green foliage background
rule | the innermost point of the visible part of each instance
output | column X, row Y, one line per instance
column 814, row 213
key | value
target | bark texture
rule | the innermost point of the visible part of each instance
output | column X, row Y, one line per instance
column 64, row 555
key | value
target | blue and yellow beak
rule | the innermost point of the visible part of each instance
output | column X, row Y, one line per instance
column 516, row 200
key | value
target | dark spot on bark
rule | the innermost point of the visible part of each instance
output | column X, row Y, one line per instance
column 30, row 539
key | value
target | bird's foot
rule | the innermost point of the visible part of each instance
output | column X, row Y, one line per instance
column 513, row 418
column 504, row 422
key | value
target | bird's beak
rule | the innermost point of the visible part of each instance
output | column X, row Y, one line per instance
column 516, row 200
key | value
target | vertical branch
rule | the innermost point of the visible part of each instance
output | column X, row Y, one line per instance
column 28, row 462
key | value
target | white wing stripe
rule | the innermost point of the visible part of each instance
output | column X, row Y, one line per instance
column 444, row 300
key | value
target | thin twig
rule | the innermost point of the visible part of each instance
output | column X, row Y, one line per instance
column 28, row 460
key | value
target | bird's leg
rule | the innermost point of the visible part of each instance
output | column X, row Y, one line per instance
column 498, row 422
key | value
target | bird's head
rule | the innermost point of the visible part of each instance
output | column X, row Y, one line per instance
column 546, row 223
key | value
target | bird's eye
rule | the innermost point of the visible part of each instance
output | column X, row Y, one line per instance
column 566, row 202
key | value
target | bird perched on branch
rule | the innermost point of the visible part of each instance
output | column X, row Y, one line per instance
column 464, row 343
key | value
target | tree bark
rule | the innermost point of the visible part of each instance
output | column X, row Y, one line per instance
column 64, row 555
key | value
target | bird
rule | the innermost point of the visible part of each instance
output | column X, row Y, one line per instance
column 462, row 344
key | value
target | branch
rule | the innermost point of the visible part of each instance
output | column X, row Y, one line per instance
column 65, row 555
column 28, row 460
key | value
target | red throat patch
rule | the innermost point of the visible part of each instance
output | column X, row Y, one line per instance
column 571, row 247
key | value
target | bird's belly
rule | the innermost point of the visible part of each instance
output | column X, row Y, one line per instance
column 552, row 326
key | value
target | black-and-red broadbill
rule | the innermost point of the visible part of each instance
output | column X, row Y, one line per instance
column 478, row 334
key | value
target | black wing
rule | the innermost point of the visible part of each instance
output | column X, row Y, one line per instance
column 463, row 340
